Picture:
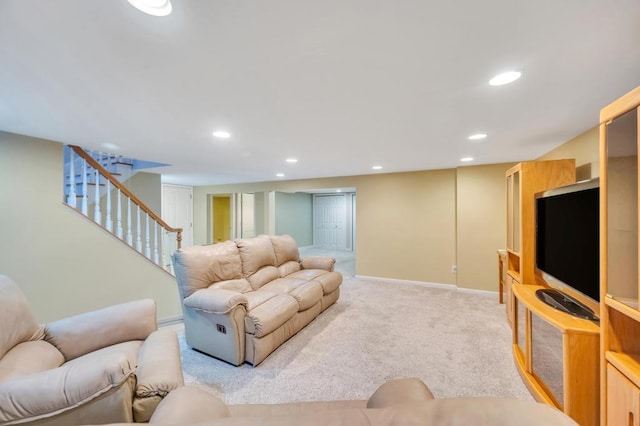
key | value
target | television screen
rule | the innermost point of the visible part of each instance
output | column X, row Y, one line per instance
column 568, row 237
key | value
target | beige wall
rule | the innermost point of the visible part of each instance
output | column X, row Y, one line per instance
column 405, row 221
column 64, row 263
column 584, row 148
column 481, row 228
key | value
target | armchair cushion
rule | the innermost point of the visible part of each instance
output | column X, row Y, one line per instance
column 29, row 358
column 18, row 322
column 57, row 390
column 399, row 391
column 84, row 333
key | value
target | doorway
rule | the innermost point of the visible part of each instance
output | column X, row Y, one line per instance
column 177, row 210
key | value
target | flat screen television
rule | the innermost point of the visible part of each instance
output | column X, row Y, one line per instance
column 567, row 245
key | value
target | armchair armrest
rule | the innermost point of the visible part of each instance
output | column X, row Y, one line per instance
column 318, row 262
column 159, row 372
column 215, row 300
column 80, row 334
column 52, row 392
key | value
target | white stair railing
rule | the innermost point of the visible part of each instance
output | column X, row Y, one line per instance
column 157, row 249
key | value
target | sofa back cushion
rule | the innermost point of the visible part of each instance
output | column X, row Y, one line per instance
column 197, row 267
column 258, row 260
column 285, row 249
column 18, row 321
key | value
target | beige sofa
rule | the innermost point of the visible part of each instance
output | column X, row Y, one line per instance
column 110, row 365
column 242, row 299
column 401, row 402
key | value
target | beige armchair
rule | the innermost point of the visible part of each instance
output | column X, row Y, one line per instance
column 105, row 366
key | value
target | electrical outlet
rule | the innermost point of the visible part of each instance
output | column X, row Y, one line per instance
column 454, row 269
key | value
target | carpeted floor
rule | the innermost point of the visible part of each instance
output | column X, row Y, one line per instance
column 458, row 343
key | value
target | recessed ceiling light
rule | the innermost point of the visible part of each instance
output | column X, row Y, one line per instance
column 109, row 145
column 477, row 136
column 221, row 134
column 338, row 190
column 466, row 159
column 505, row 78
column 280, row 174
column 292, row 160
column 153, row 7
column 376, row 167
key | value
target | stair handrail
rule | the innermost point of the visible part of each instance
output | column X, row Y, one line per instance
column 115, row 182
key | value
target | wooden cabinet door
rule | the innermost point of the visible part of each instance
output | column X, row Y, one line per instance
column 623, row 400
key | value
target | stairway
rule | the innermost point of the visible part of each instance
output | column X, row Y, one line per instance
column 94, row 187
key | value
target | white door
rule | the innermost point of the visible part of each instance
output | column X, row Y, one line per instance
column 329, row 221
column 177, row 210
column 247, row 216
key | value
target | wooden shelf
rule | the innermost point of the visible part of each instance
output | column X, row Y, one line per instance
column 622, row 308
column 526, row 294
column 628, row 364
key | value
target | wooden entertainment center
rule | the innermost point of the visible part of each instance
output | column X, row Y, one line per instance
column 556, row 354
column 588, row 370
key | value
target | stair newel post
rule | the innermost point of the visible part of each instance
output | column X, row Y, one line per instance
column 138, row 237
column 147, row 237
column 179, row 239
column 119, row 216
column 85, row 196
column 129, row 233
column 71, row 198
column 97, row 213
column 108, row 219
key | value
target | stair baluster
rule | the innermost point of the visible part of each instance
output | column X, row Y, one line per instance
column 119, row 216
column 85, row 196
column 138, row 237
column 97, row 212
column 109, row 221
column 71, row 198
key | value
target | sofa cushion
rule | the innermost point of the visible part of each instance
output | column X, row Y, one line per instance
column 265, row 275
column 285, row 249
column 198, row 267
column 288, row 268
column 306, row 293
column 240, row 285
column 270, row 315
column 18, row 321
column 257, row 298
column 330, row 281
column 255, row 253
column 29, row 358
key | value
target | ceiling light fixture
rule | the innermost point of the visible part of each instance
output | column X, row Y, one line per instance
column 466, row 159
column 153, row 7
column 280, row 174
column 477, row 136
column 292, row 160
column 505, row 78
column 221, row 134
column 376, row 167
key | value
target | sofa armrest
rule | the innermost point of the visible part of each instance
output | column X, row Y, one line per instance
column 318, row 262
column 159, row 372
column 80, row 334
column 215, row 300
column 51, row 392
column 399, row 391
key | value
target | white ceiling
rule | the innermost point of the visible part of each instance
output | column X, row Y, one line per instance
column 340, row 85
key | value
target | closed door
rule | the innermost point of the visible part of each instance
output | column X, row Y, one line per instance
column 177, row 210
column 329, row 222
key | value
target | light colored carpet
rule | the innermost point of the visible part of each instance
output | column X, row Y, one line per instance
column 458, row 343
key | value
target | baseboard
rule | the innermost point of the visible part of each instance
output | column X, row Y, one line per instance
column 169, row 321
column 409, row 282
column 428, row 284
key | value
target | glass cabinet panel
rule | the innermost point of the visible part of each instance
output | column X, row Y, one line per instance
column 622, row 208
column 516, row 212
column 510, row 212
